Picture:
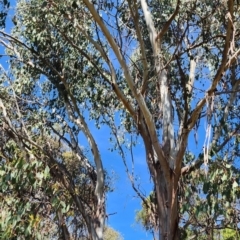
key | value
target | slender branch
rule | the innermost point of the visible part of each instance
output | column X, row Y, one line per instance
column 87, row 56
column 80, row 122
column 130, row 177
column 226, row 92
column 196, row 164
column 135, row 15
column 113, row 83
column 79, row 153
column 225, row 64
column 218, row 128
column 167, row 24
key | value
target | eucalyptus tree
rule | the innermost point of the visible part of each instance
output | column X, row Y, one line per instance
column 181, row 73
column 167, row 68
column 40, row 125
column 47, row 184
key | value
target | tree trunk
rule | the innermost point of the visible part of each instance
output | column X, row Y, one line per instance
column 166, row 195
column 167, row 201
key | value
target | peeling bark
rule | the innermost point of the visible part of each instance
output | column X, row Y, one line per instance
column 166, row 188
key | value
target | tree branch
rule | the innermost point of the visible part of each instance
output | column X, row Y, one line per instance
column 135, row 15
column 196, row 164
column 225, row 64
column 167, row 24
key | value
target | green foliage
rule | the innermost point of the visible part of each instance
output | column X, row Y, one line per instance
column 229, row 234
column 110, row 234
column 24, row 195
column 56, row 182
column 32, row 195
column 148, row 216
column 55, row 44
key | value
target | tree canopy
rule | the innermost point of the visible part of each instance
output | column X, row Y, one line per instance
column 164, row 74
